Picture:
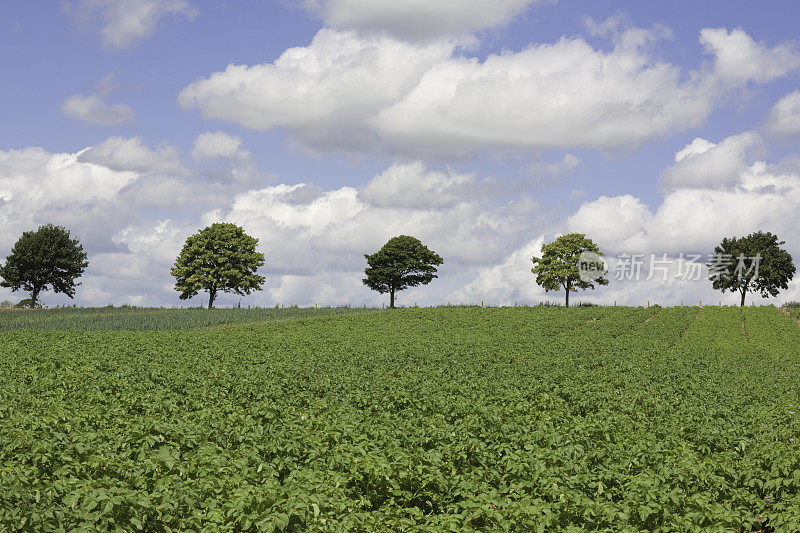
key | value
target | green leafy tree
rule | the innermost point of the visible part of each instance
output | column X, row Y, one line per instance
column 43, row 259
column 559, row 267
column 219, row 258
column 755, row 263
column 402, row 262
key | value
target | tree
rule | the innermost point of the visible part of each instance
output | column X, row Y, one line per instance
column 755, row 263
column 42, row 259
column 219, row 258
column 571, row 262
column 402, row 262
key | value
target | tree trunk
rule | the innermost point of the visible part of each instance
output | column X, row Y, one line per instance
column 211, row 295
column 391, row 298
column 34, row 296
column 567, row 289
column 744, row 292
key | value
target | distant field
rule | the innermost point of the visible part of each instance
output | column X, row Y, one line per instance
column 444, row 419
column 136, row 318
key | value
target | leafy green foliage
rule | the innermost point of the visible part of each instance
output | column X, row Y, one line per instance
column 558, row 268
column 220, row 258
column 738, row 272
column 145, row 319
column 449, row 419
column 43, row 259
column 401, row 263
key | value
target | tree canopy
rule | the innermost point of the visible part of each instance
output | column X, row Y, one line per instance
column 402, row 262
column 755, row 263
column 219, row 258
column 42, row 259
column 560, row 265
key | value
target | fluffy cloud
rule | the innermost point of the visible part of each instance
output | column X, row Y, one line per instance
column 416, row 19
column 698, row 210
column 324, row 91
column 413, row 185
column 110, row 196
column 216, row 145
column 704, row 164
column 784, row 118
column 693, row 217
column 508, row 282
column 740, row 59
column 123, row 153
column 126, row 22
column 426, row 100
column 37, row 187
column 315, row 239
column 93, row 110
column 133, row 205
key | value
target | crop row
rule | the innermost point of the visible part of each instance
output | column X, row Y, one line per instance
column 421, row 419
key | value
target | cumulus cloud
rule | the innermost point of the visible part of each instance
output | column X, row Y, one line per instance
column 740, row 59
column 113, row 196
column 508, row 282
column 784, row 117
column 126, row 22
column 425, row 99
column 37, row 187
column 133, row 205
column 93, row 110
column 121, row 153
column 413, row 185
column 315, row 237
column 324, row 91
column 216, row 145
column 693, row 216
column 416, row 19
column 704, row 164
column 738, row 198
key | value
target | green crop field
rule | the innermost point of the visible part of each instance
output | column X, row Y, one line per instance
column 443, row 419
column 136, row 318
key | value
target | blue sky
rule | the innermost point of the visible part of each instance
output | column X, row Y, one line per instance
column 503, row 124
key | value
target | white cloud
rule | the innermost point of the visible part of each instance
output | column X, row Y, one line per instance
column 103, row 195
column 364, row 93
column 37, row 187
column 314, row 237
column 617, row 219
column 416, row 19
column 784, row 117
column 697, row 212
column 111, row 196
column 703, row 164
column 126, row 22
column 693, row 217
column 739, row 59
column 324, row 91
column 123, row 153
column 216, row 145
column 413, row 185
column 92, row 109
column 508, row 282
column 538, row 97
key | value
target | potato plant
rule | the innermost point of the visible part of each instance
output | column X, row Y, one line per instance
column 449, row 419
